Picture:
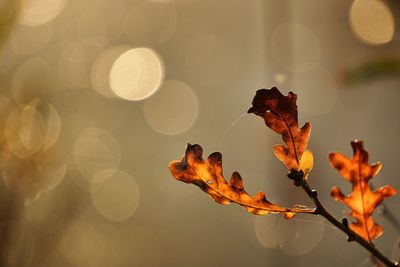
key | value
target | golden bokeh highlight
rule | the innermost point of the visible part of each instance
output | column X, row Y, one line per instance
column 115, row 194
column 160, row 18
column 163, row 111
column 295, row 47
column 372, row 21
column 95, row 150
column 101, row 69
column 25, row 131
column 67, row 68
column 31, row 128
column 137, row 74
column 38, row 12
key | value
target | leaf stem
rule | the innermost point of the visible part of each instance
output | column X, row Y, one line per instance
column 320, row 210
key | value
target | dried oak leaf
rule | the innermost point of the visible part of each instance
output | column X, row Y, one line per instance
column 207, row 174
column 362, row 201
column 280, row 114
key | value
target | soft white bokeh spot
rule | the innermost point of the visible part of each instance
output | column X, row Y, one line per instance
column 137, row 74
column 372, row 21
column 38, row 12
column 173, row 109
column 102, row 67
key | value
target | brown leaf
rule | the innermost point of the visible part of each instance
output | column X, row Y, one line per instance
column 362, row 201
column 207, row 174
column 280, row 114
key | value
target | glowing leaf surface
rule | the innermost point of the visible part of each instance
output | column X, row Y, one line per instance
column 363, row 200
column 207, row 174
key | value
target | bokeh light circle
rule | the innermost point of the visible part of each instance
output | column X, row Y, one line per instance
column 115, row 194
column 25, row 131
column 38, row 12
column 31, row 128
column 372, row 21
column 173, row 109
column 101, row 69
column 137, row 74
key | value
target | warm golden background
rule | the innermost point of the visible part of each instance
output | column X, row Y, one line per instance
column 97, row 96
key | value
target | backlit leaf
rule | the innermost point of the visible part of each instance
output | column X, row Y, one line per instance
column 207, row 174
column 280, row 114
column 363, row 200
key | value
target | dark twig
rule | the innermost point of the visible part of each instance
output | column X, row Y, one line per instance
column 297, row 177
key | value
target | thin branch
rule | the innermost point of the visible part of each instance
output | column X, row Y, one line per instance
column 297, row 177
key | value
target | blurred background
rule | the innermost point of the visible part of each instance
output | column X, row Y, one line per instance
column 98, row 96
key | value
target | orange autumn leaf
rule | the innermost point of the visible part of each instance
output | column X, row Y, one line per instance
column 207, row 174
column 280, row 114
column 363, row 200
